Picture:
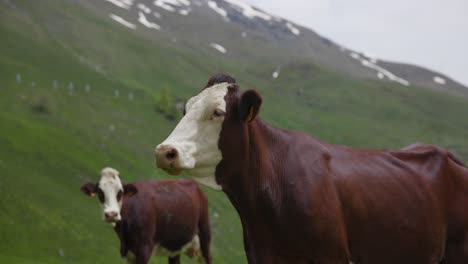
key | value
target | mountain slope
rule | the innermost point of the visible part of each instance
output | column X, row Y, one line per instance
column 55, row 133
column 246, row 32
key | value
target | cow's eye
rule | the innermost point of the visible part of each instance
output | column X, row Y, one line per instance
column 119, row 195
column 217, row 114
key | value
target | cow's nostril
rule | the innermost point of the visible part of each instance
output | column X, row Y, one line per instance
column 171, row 154
column 167, row 156
column 111, row 215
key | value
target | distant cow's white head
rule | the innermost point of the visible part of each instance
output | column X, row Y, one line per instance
column 192, row 146
column 110, row 192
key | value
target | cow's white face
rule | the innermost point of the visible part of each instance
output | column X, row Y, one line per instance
column 193, row 145
column 110, row 193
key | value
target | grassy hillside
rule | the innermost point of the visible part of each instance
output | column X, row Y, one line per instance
column 52, row 141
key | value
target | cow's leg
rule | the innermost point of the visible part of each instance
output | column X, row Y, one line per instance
column 143, row 254
column 205, row 247
column 245, row 235
column 174, row 260
column 456, row 251
column 204, row 234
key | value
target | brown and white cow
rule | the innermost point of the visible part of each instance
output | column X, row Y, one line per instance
column 301, row 200
column 161, row 218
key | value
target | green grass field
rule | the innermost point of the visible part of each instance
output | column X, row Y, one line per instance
column 51, row 142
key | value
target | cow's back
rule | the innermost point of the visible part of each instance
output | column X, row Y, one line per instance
column 390, row 208
column 448, row 177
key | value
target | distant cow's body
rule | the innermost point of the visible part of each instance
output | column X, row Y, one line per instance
column 165, row 218
column 162, row 218
column 304, row 201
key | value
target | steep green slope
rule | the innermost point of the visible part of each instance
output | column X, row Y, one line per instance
column 51, row 142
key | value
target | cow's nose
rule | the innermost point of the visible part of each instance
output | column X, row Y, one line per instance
column 111, row 216
column 166, row 155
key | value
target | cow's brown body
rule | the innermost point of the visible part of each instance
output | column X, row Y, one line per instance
column 301, row 200
column 163, row 215
column 304, row 201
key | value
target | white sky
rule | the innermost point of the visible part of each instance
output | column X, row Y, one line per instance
column 429, row 33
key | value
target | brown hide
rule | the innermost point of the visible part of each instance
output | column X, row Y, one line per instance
column 164, row 213
column 301, row 200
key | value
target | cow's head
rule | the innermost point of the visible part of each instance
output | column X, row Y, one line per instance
column 194, row 145
column 110, row 192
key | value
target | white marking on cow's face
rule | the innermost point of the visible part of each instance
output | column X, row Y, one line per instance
column 196, row 136
column 112, row 194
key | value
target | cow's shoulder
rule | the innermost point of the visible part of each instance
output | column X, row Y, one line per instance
column 427, row 159
column 420, row 152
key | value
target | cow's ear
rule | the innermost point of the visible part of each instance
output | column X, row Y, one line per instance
column 250, row 103
column 130, row 189
column 89, row 189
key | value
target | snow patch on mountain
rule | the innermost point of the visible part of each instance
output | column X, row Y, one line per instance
column 439, row 80
column 385, row 72
column 171, row 3
column 218, row 47
column 293, row 29
column 178, row 2
column 122, row 21
column 144, row 8
column 354, row 55
column 162, row 4
column 181, row 7
column 184, row 12
column 145, row 22
column 125, row 4
column 381, row 72
column 213, row 5
column 249, row 11
column 372, row 58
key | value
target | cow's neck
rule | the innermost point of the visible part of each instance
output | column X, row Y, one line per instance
column 251, row 176
column 121, row 229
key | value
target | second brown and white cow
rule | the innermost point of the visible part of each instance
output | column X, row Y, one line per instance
column 301, row 200
column 161, row 218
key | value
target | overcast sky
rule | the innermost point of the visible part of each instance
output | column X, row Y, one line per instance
column 430, row 33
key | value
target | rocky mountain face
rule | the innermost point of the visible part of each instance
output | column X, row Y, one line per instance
column 239, row 31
